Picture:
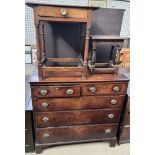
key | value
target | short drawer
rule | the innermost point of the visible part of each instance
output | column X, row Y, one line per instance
column 75, row 133
column 91, row 102
column 55, row 91
column 64, row 12
column 63, row 118
column 104, row 89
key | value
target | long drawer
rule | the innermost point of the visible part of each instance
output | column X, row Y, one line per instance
column 91, row 102
column 80, row 117
column 75, row 133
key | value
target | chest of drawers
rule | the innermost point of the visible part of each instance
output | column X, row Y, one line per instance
column 73, row 110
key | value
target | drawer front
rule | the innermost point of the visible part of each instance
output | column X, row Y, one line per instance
column 62, row 118
column 62, row 12
column 55, row 91
column 103, row 89
column 75, row 133
column 91, row 102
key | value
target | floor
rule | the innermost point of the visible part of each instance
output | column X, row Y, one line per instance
column 100, row 148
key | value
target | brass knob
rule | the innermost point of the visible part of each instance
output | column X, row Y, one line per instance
column 116, row 89
column 63, row 12
column 92, row 89
column 110, row 115
column 108, row 130
column 113, row 101
column 44, row 105
column 45, row 119
column 46, row 135
column 43, row 92
column 69, row 91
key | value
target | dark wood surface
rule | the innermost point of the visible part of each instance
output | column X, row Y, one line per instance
column 81, row 118
column 124, row 127
column 71, row 114
column 48, row 13
column 91, row 102
column 93, row 78
column 56, row 91
column 77, row 117
column 32, row 4
column 29, row 130
column 75, row 133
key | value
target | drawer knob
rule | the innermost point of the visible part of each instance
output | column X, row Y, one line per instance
column 43, row 92
column 110, row 115
column 92, row 89
column 63, row 12
column 113, row 101
column 45, row 119
column 108, row 130
column 69, row 91
column 44, row 105
column 46, row 135
column 116, row 89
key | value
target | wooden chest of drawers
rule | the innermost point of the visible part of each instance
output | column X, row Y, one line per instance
column 75, row 111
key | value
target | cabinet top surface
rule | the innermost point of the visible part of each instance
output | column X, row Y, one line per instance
column 91, row 78
column 33, row 4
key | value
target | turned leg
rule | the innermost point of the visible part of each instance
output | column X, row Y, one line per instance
column 38, row 149
column 113, row 143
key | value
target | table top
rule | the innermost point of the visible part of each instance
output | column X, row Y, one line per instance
column 32, row 4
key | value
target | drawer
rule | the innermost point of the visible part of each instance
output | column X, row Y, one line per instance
column 63, row 118
column 64, row 12
column 75, row 133
column 85, row 102
column 103, row 89
column 56, row 91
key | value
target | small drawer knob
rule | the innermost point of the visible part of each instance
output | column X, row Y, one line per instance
column 110, row 115
column 44, row 105
column 116, row 88
column 92, row 89
column 63, row 12
column 113, row 101
column 108, row 130
column 46, row 135
column 43, row 92
column 45, row 119
column 69, row 91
